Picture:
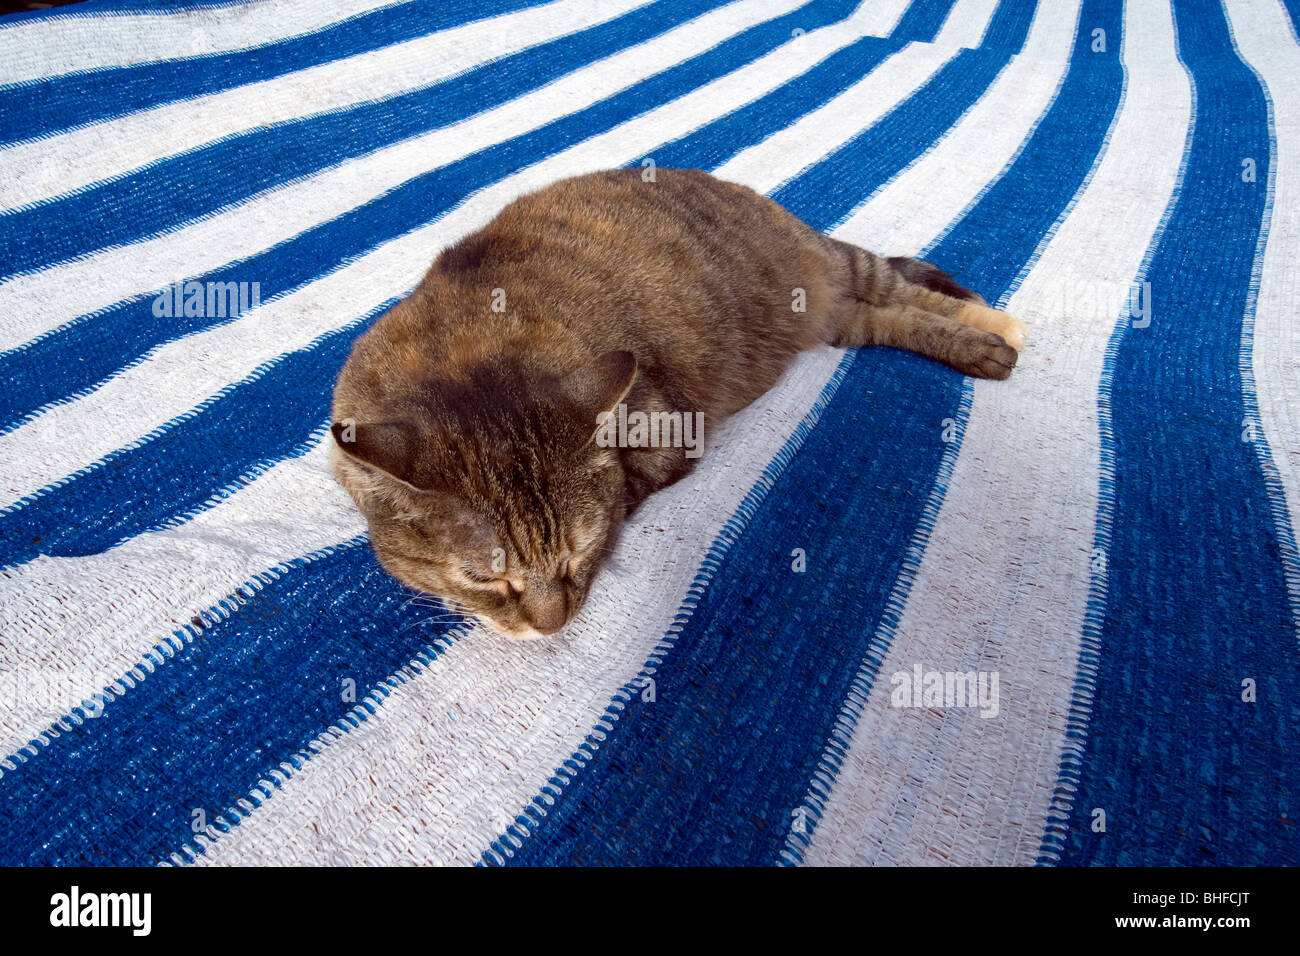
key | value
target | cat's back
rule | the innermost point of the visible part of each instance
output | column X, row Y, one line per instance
column 691, row 274
column 650, row 238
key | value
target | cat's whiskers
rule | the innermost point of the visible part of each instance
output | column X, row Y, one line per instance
column 434, row 601
column 435, row 619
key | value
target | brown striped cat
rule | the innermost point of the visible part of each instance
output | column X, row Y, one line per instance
column 474, row 422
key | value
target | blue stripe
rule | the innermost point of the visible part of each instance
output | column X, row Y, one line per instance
column 1196, row 601
column 81, row 505
column 1292, row 8
column 239, row 727
column 921, row 21
column 197, row 183
column 1096, row 79
column 751, row 691
column 760, row 119
column 48, row 105
column 122, row 788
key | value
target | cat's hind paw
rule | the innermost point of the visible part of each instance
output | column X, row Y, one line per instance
column 984, row 355
column 1013, row 331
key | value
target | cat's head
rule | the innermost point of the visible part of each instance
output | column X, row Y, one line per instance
column 490, row 492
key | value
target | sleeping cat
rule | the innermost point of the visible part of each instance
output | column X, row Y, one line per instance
column 466, row 419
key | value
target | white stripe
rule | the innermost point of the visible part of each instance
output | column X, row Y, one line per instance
column 1003, row 583
column 1265, row 39
column 967, row 23
column 43, row 48
column 522, row 710
column 879, row 17
column 66, row 163
column 35, row 303
column 76, row 596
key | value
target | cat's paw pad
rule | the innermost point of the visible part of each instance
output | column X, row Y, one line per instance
column 987, row 355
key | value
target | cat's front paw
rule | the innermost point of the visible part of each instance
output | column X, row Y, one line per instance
column 985, row 355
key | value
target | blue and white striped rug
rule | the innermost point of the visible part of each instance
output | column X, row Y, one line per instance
column 200, row 659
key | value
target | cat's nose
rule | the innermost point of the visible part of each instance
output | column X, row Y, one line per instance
column 548, row 613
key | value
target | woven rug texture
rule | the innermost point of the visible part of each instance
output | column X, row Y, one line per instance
column 895, row 617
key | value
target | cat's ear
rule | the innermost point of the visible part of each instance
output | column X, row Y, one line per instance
column 600, row 385
column 388, row 446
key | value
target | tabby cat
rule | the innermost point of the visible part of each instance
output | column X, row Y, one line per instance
column 465, row 419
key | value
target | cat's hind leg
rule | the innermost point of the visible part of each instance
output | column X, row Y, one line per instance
column 970, row 350
column 878, row 305
column 870, row 278
column 969, row 312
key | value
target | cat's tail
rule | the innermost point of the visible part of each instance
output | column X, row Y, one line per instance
column 929, row 276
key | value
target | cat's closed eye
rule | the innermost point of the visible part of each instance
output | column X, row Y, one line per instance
column 504, row 586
